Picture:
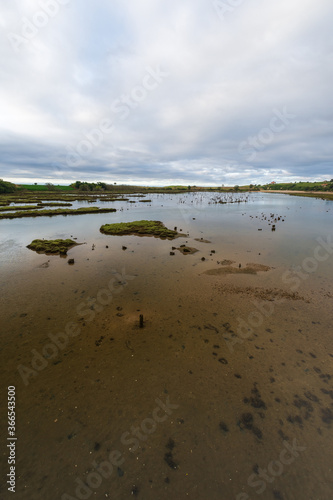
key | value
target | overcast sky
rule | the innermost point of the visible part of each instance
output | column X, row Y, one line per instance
column 166, row 92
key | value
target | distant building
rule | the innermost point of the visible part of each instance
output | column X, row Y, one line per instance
column 273, row 182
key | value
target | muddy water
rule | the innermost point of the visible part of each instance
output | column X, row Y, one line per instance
column 238, row 365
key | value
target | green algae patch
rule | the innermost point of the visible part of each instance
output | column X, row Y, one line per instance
column 140, row 228
column 114, row 199
column 52, row 247
column 59, row 211
column 34, row 207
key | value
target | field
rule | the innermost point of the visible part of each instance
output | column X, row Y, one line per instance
column 44, row 187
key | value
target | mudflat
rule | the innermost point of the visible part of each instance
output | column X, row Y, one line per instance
column 225, row 390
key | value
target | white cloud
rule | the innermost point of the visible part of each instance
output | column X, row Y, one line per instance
column 226, row 77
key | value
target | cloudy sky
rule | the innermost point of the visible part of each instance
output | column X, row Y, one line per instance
column 203, row 92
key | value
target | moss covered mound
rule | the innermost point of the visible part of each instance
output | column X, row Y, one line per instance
column 33, row 207
column 52, row 246
column 58, row 211
column 140, row 228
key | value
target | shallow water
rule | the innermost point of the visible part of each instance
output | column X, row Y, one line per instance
column 241, row 391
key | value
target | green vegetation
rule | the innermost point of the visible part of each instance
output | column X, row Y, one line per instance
column 33, row 207
column 54, row 205
column 43, row 198
column 119, row 198
column 7, row 187
column 301, row 186
column 90, row 191
column 140, row 228
column 44, row 187
column 59, row 211
column 52, row 247
column 89, row 186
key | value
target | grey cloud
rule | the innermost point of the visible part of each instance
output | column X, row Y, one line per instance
column 225, row 80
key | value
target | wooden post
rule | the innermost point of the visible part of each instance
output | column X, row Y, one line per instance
column 141, row 320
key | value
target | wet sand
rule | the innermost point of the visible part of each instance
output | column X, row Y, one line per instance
column 236, row 396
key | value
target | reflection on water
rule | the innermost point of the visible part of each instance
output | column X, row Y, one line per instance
column 245, row 361
column 233, row 226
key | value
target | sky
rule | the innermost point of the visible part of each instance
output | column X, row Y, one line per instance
column 199, row 92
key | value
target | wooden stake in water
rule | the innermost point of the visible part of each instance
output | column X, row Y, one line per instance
column 141, row 320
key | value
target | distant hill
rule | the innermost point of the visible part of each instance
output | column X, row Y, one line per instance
column 7, row 187
column 301, row 186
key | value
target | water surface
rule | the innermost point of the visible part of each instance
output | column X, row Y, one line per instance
column 238, row 396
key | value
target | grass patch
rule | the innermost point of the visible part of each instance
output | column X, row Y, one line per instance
column 103, row 198
column 59, row 211
column 45, row 187
column 52, row 247
column 34, row 207
column 140, row 228
column 45, row 197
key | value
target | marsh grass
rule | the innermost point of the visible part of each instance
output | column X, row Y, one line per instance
column 33, row 207
column 59, row 211
column 52, row 247
column 140, row 228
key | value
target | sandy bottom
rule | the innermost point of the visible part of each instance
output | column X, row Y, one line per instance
column 243, row 364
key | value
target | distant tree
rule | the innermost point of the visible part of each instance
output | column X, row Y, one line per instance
column 35, row 183
column 189, row 188
column 236, row 188
column 50, row 186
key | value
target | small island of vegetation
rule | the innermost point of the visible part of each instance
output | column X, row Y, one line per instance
column 140, row 228
column 52, row 247
column 52, row 213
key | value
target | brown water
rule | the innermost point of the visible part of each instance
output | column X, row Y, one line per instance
column 236, row 396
